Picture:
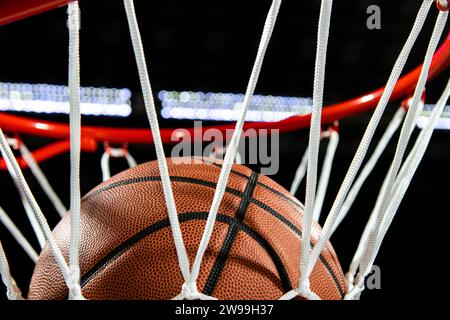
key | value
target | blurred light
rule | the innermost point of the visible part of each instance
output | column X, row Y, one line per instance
column 442, row 124
column 45, row 98
column 42, row 126
column 226, row 106
column 367, row 98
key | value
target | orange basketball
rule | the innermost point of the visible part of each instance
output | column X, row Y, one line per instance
column 127, row 250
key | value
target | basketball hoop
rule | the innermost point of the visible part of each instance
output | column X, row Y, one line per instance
column 12, row 10
column 268, row 218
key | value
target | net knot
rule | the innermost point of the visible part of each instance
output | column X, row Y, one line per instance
column 189, row 291
column 355, row 287
column 13, row 292
column 73, row 284
column 349, row 281
column 304, row 291
column 73, row 12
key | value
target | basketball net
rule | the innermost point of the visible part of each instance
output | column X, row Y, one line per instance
column 395, row 185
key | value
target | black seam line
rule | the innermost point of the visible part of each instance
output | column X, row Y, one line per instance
column 229, row 190
column 184, row 217
column 227, row 244
column 156, row 179
column 299, row 233
column 278, row 193
column 285, row 221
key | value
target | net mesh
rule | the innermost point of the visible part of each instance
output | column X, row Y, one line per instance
column 395, row 185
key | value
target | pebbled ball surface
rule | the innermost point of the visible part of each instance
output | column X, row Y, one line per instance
column 127, row 250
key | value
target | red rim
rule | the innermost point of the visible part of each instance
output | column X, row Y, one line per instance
column 14, row 10
column 365, row 102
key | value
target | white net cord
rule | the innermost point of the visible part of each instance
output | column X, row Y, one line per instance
column 42, row 179
column 17, row 235
column 303, row 289
column 368, row 135
column 410, row 167
column 362, row 246
column 394, row 188
column 391, row 129
column 153, row 120
column 301, row 169
column 403, row 142
column 408, row 160
column 189, row 290
column 234, row 143
column 218, row 153
column 300, row 173
column 12, row 290
column 400, row 187
column 73, row 24
column 51, row 242
column 26, row 204
column 115, row 153
column 325, row 173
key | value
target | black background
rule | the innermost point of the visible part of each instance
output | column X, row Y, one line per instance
column 210, row 46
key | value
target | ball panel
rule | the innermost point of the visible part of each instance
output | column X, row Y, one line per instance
column 204, row 170
column 249, row 266
column 149, row 269
column 122, row 209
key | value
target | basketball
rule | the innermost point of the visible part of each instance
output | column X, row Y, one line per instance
column 179, row 150
column 127, row 251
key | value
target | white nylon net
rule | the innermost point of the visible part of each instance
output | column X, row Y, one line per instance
column 391, row 194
